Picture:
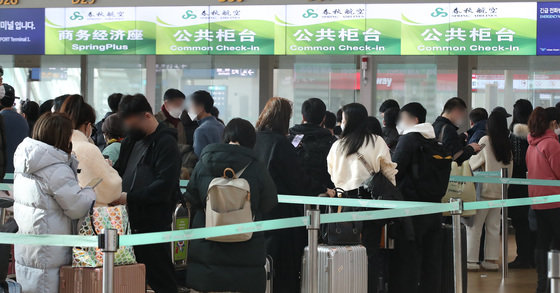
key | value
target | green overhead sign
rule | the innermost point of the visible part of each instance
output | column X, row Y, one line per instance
column 320, row 29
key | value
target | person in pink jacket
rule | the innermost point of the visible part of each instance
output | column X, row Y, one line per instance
column 543, row 162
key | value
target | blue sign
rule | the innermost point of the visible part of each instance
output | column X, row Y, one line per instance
column 548, row 22
column 22, row 31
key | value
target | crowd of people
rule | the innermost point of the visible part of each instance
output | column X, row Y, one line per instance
column 56, row 149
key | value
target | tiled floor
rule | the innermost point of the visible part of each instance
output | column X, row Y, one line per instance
column 518, row 281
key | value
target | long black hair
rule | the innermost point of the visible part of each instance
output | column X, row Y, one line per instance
column 355, row 131
column 522, row 109
column 499, row 137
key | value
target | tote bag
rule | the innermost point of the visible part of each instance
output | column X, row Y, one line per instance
column 466, row 191
column 98, row 219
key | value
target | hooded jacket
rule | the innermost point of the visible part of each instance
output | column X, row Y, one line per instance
column 47, row 198
column 407, row 148
column 152, row 199
column 93, row 165
column 519, row 146
column 543, row 162
column 215, row 266
column 486, row 160
column 446, row 133
column 312, row 149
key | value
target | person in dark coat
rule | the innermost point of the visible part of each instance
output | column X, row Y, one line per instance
column 30, row 111
column 279, row 156
column 149, row 164
column 113, row 101
column 446, row 126
column 416, row 265
column 478, row 118
column 524, row 237
column 232, row 267
column 390, row 132
column 16, row 128
column 313, row 142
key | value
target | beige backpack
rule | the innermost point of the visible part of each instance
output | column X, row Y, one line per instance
column 229, row 202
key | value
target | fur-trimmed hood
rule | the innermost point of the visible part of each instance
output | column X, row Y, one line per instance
column 520, row 130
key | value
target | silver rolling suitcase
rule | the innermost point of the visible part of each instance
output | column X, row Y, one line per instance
column 341, row 269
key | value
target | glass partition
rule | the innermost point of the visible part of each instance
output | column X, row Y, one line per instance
column 233, row 81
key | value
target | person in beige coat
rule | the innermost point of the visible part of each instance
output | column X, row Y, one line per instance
column 495, row 155
column 92, row 164
column 349, row 172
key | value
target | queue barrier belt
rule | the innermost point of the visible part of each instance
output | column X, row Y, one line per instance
column 259, row 226
column 389, row 209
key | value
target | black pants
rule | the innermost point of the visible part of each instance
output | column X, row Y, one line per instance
column 525, row 239
column 416, row 265
column 371, row 237
column 160, row 273
column 548, row 237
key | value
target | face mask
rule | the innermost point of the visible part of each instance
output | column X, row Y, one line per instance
column 557, row 131
column 192, row 114
column 342, row 126
column 175, row 112
column 136, row 134
column 460, row 122
column 402, row 127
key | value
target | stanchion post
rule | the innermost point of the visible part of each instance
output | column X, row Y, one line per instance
column 312, row 258
column 554, row 270
column 504, row 174
column 457, row 250
column 108, row 243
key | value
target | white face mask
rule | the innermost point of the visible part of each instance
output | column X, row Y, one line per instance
column 193, row 114
column 175, row 112
column 557, row 131
column 460, row 122
column 402, row 127
column 342, row 126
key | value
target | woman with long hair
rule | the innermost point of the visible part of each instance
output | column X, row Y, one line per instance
column 47, row 200
column 349, row 172
column 543, row 162
column 279, row 156
column 92, row 163
column 495, row 155
column 524, row 237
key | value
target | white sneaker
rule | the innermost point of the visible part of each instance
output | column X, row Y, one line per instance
column 472, row 266
column 489, row 266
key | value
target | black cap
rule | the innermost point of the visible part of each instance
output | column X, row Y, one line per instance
column 416, row 110
column 502, row 110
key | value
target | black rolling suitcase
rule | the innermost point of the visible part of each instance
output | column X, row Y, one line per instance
column 447, row 273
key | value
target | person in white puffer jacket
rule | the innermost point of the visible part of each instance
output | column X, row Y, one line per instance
column 47, row 198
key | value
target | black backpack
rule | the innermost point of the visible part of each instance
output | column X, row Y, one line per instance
column 431, row 168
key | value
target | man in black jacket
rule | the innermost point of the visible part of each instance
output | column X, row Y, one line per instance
column 149, row 164
column 313, row 142
column 416, row 264
column 453, row 116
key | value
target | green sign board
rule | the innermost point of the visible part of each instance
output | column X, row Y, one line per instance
column 229, row 30
column 469, row 29
column 343, row 29
column 320, row 29
column 94, row 31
